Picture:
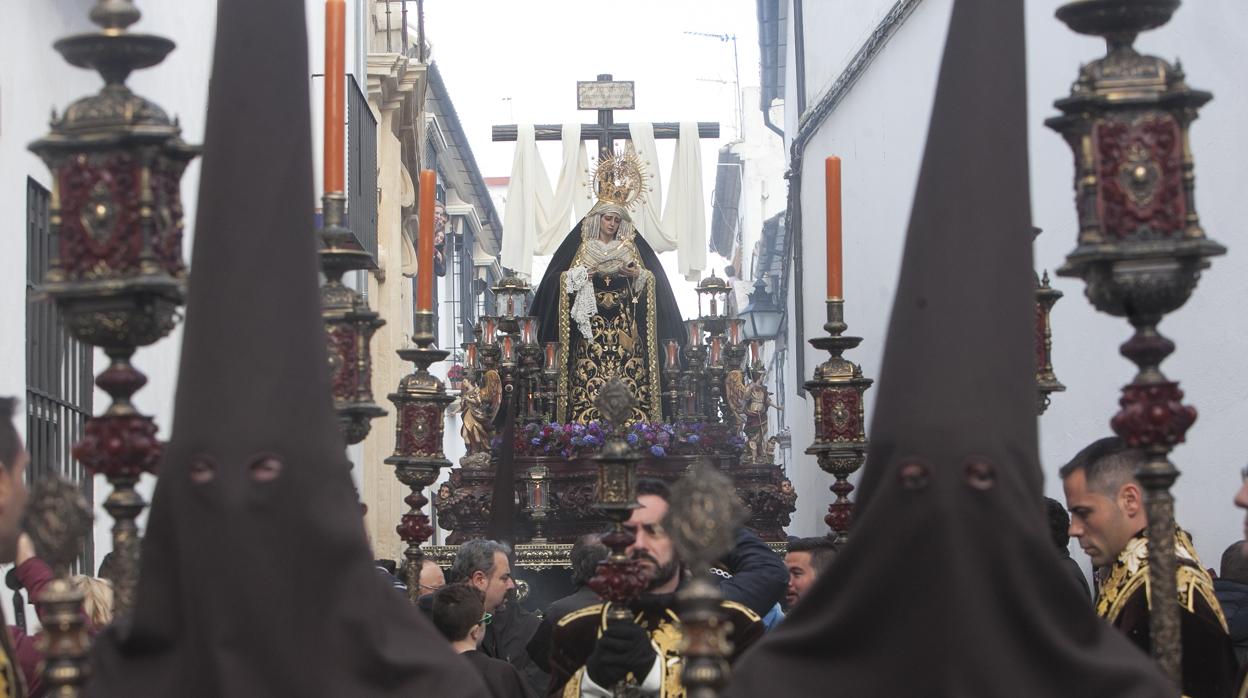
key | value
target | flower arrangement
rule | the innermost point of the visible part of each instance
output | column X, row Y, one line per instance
column 657, row 439
column 455, row 376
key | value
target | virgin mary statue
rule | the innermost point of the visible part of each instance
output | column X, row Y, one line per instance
column 607, row 302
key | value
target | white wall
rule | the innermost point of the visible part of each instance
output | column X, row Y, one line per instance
column 879, row 131
column 34, row 79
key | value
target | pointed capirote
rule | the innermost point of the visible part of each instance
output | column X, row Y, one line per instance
column 949, row 584
column 256, row 576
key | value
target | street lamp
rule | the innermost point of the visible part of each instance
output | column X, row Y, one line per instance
column 762, row 315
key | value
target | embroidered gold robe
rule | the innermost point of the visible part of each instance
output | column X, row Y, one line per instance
column 574, row 635
column 1124, row 599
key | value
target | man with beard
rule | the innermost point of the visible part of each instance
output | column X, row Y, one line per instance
column 588, row 657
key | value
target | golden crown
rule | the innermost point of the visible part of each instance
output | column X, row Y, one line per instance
column 620, row 179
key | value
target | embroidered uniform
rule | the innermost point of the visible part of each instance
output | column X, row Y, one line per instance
column 1124, row 600
column 575, row 634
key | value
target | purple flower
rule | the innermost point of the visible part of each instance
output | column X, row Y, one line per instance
column 535, row 441
column 658, row 451
column 632, row 439
column 591, row 440
column 694, row 438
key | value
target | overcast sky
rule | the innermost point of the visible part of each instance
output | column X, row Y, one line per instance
column 508, row 62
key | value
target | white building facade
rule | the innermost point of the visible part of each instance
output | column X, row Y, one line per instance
column 869, row 70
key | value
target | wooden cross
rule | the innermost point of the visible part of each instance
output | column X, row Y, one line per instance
column 605, row 96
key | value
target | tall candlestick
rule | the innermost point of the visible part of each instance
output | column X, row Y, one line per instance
column 833, row 166
column 424, row 237
column 335, row 93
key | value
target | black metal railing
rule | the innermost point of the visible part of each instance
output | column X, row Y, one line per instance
column 361, row 168
column 59, row 387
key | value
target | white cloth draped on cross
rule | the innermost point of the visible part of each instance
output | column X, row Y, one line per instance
column 537, row 218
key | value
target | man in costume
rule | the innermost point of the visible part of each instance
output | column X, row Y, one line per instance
column 586, row 553
column 256, row 576
column 1059, row 529
column 1106, row 504
column 13, row 461
column 806, row 559
column 606, row 300
column 589, row 657
column 949, row 584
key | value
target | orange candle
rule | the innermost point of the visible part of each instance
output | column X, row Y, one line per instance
column 424, row 247
column 833, row 167
column 335, row 93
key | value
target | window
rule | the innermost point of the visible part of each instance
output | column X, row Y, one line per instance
column 58, row 368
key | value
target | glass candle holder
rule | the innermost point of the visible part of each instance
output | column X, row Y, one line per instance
column 471, row 356
column 695, row 333
column 528, row 330
column 755, row 351
column 717, row 349
column 734, row 331
column 673, row 354
column 509, row 350
column 489, row 325
column 552, row 356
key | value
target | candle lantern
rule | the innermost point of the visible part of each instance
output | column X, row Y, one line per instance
column 1140, row 247
column 552, row 356
column 840, row 444
column 695, row 332
column 734, row 330
column 511, row 298
column 537, row 506
column 509, row 350
column 716, row 292
column 489, row 331
column 349, row 326
column 528, row 330
column 1046, row 380
column 470, row 353
column 420, row 405
column 717, row 351
column 116, row 271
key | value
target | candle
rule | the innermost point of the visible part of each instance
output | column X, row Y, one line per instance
column 713, row 313
column 833, row 182
column 335, row 95
column 472, row 356
column 509, row 352
column 754, row 351
column 673, row 351
column 528, row 329
column 691, row 404
column 695, row 334
column 717, row 348
column 491, row 327
column 734, row 331
column 424, row 237
column 552, row 355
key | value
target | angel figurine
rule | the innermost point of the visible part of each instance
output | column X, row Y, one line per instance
column 479, row 405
